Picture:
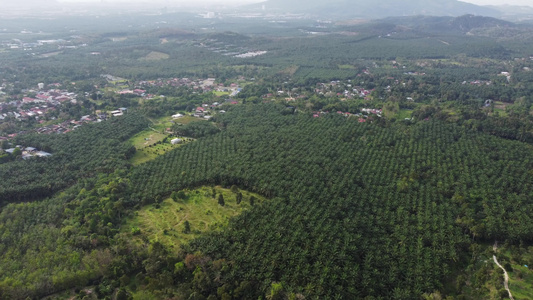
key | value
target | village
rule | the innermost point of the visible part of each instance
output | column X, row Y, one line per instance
column 43, row 106
column 24, row 152
column 206, row 85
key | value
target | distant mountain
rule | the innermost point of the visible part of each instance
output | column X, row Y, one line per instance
column 515, row 13
column 459, row 25
column 468, row 22
column 376, row 8
column 425, row 26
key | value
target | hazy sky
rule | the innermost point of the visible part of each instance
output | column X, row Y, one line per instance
column 479, row 2
column 501, row 2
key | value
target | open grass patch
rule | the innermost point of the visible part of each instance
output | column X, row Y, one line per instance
column 161, row 124
column 50, row 54
column 155, row 55
column 521, row 282
column 404, row 114
column 142, row 156
column 520, row 276
column 165, row 222
column 346, row 67
column 188, row 119
column 151, row 152
column 220, row 94
column 152, row 143
column 147, row 138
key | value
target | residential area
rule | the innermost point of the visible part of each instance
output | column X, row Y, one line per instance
column 147, row 88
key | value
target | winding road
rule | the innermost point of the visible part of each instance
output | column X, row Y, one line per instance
column 506, row 276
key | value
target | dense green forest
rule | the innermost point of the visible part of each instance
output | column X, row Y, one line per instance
column 386, row 211
column 86, row 152
column 370, row 183
column 327, row 200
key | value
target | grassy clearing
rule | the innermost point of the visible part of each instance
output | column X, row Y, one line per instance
column 521, row 282
column 120, row 83
column 147, row 148
column 144, row 295
column 50, row 54
column 346, row 67
column 165, row 222
column 146, row 138
column 520, row 277
column 151, row 144
column 154, row 142
column 151, row 152
column 142, row 156
column 154, row 56
column 188, row 119
column 290, row 70
column 404, row 114
column 119, row 39
column 500, row 112
column 163, row 123
column 220, row 94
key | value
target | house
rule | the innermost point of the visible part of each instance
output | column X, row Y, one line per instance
column 42, row 97
column 42, row 154
column 62, row 98
column 176, row 141
column 177, row 116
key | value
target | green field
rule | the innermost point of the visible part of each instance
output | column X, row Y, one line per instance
column 146, row 138
column 404, row 114
column 149, row 144
column 187, row 119
column 219, row 94
column 520, row 277
column 155, row 55
column 151, row 148
column 346, row 67
column 147, row 154
column 521, row 282
column 166, row 223
column 163, row 123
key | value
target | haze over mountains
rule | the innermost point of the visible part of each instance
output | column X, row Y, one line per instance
column 333, row 9
column 379, row 8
